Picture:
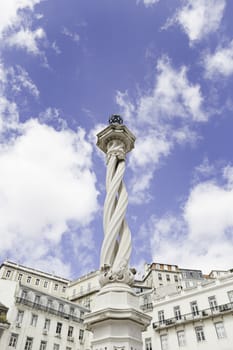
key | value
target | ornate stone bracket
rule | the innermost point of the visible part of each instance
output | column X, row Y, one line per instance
column 123, row 275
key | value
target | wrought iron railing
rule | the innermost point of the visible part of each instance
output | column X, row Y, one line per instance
column 48, row 309
column 147, row 307
column 184, row 318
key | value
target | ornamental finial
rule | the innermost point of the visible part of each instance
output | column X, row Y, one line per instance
column 115, row 119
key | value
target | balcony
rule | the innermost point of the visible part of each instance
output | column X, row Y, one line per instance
column 190, row 317
column 41, row 307
column 147, row 307
column 4, row 324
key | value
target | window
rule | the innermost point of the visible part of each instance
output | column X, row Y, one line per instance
column 59, row 327
column 200, row 334
column 194, row 308
column 19, row 318
column 20, row 275
column 213, row 303
column 55, row 288
column 81, row 314
column 28, row 344
column 56, row 346
column 47, row 324
column 87, row 302
column 8, row 273
column 37, row 282
column 63, row 289
column 74, row 291
column 81, row 290
column 71, row 310
column 37, row 299
column 161, row 316
column 43, row 345
column 176, row 278
column 160, row 276
column 181, row 338
column 164, row 341
column 61, row 307
column 68, row 348
column 70, row 331
column 34, row 320
column 81, row 334
column 230, row 296
column 220, row 330
column 168, row 278
column 29, row 279
column 177, row 313
column 13, row 340
column 45, row 284
column 24, row 294
column 148, row 345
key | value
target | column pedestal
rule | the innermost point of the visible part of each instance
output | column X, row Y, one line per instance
column 116, row 320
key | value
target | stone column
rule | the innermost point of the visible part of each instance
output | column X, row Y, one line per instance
column 116, row 320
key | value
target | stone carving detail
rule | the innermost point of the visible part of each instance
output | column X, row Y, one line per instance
column 122, row 275
column 116, row 247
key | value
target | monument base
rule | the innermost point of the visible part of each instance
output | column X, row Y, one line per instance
column 116, row 320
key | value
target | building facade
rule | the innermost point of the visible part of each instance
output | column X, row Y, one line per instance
column 38, row 317
column 45, row 312
column 193, row 318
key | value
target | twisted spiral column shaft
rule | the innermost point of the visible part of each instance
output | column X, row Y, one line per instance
column 116, row 247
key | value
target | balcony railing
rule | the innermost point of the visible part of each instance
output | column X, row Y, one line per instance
column 4, row 324
column 48, row 309
column 147, row 307
column 197, row 315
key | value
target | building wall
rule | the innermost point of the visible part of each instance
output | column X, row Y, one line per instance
column 35, row 278
column 207, row 317
column 22, row 299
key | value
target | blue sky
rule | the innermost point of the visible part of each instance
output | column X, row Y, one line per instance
column 166, row 66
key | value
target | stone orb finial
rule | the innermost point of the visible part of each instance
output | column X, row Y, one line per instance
column 115, row 119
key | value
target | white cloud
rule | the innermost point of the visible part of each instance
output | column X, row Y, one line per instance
column 56, row 48
column 53, row 115
column 46, row 183
column 200, row 17
column 172, row 98
column 9, row 115
column 27, row 39
column 20, row 79
column 220, row 63
column 202, row 236
column 74, row 36
column 16, row 24
column 10, row 15
column 149, row 150
column 148, row 3
column 204, row 171
column 13, row 81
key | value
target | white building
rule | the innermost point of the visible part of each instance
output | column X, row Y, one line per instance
column 38, row 317
column 189, row 310
column 192, row 318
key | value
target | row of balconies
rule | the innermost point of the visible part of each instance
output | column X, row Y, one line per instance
column 48, row 309
column 197, row 315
